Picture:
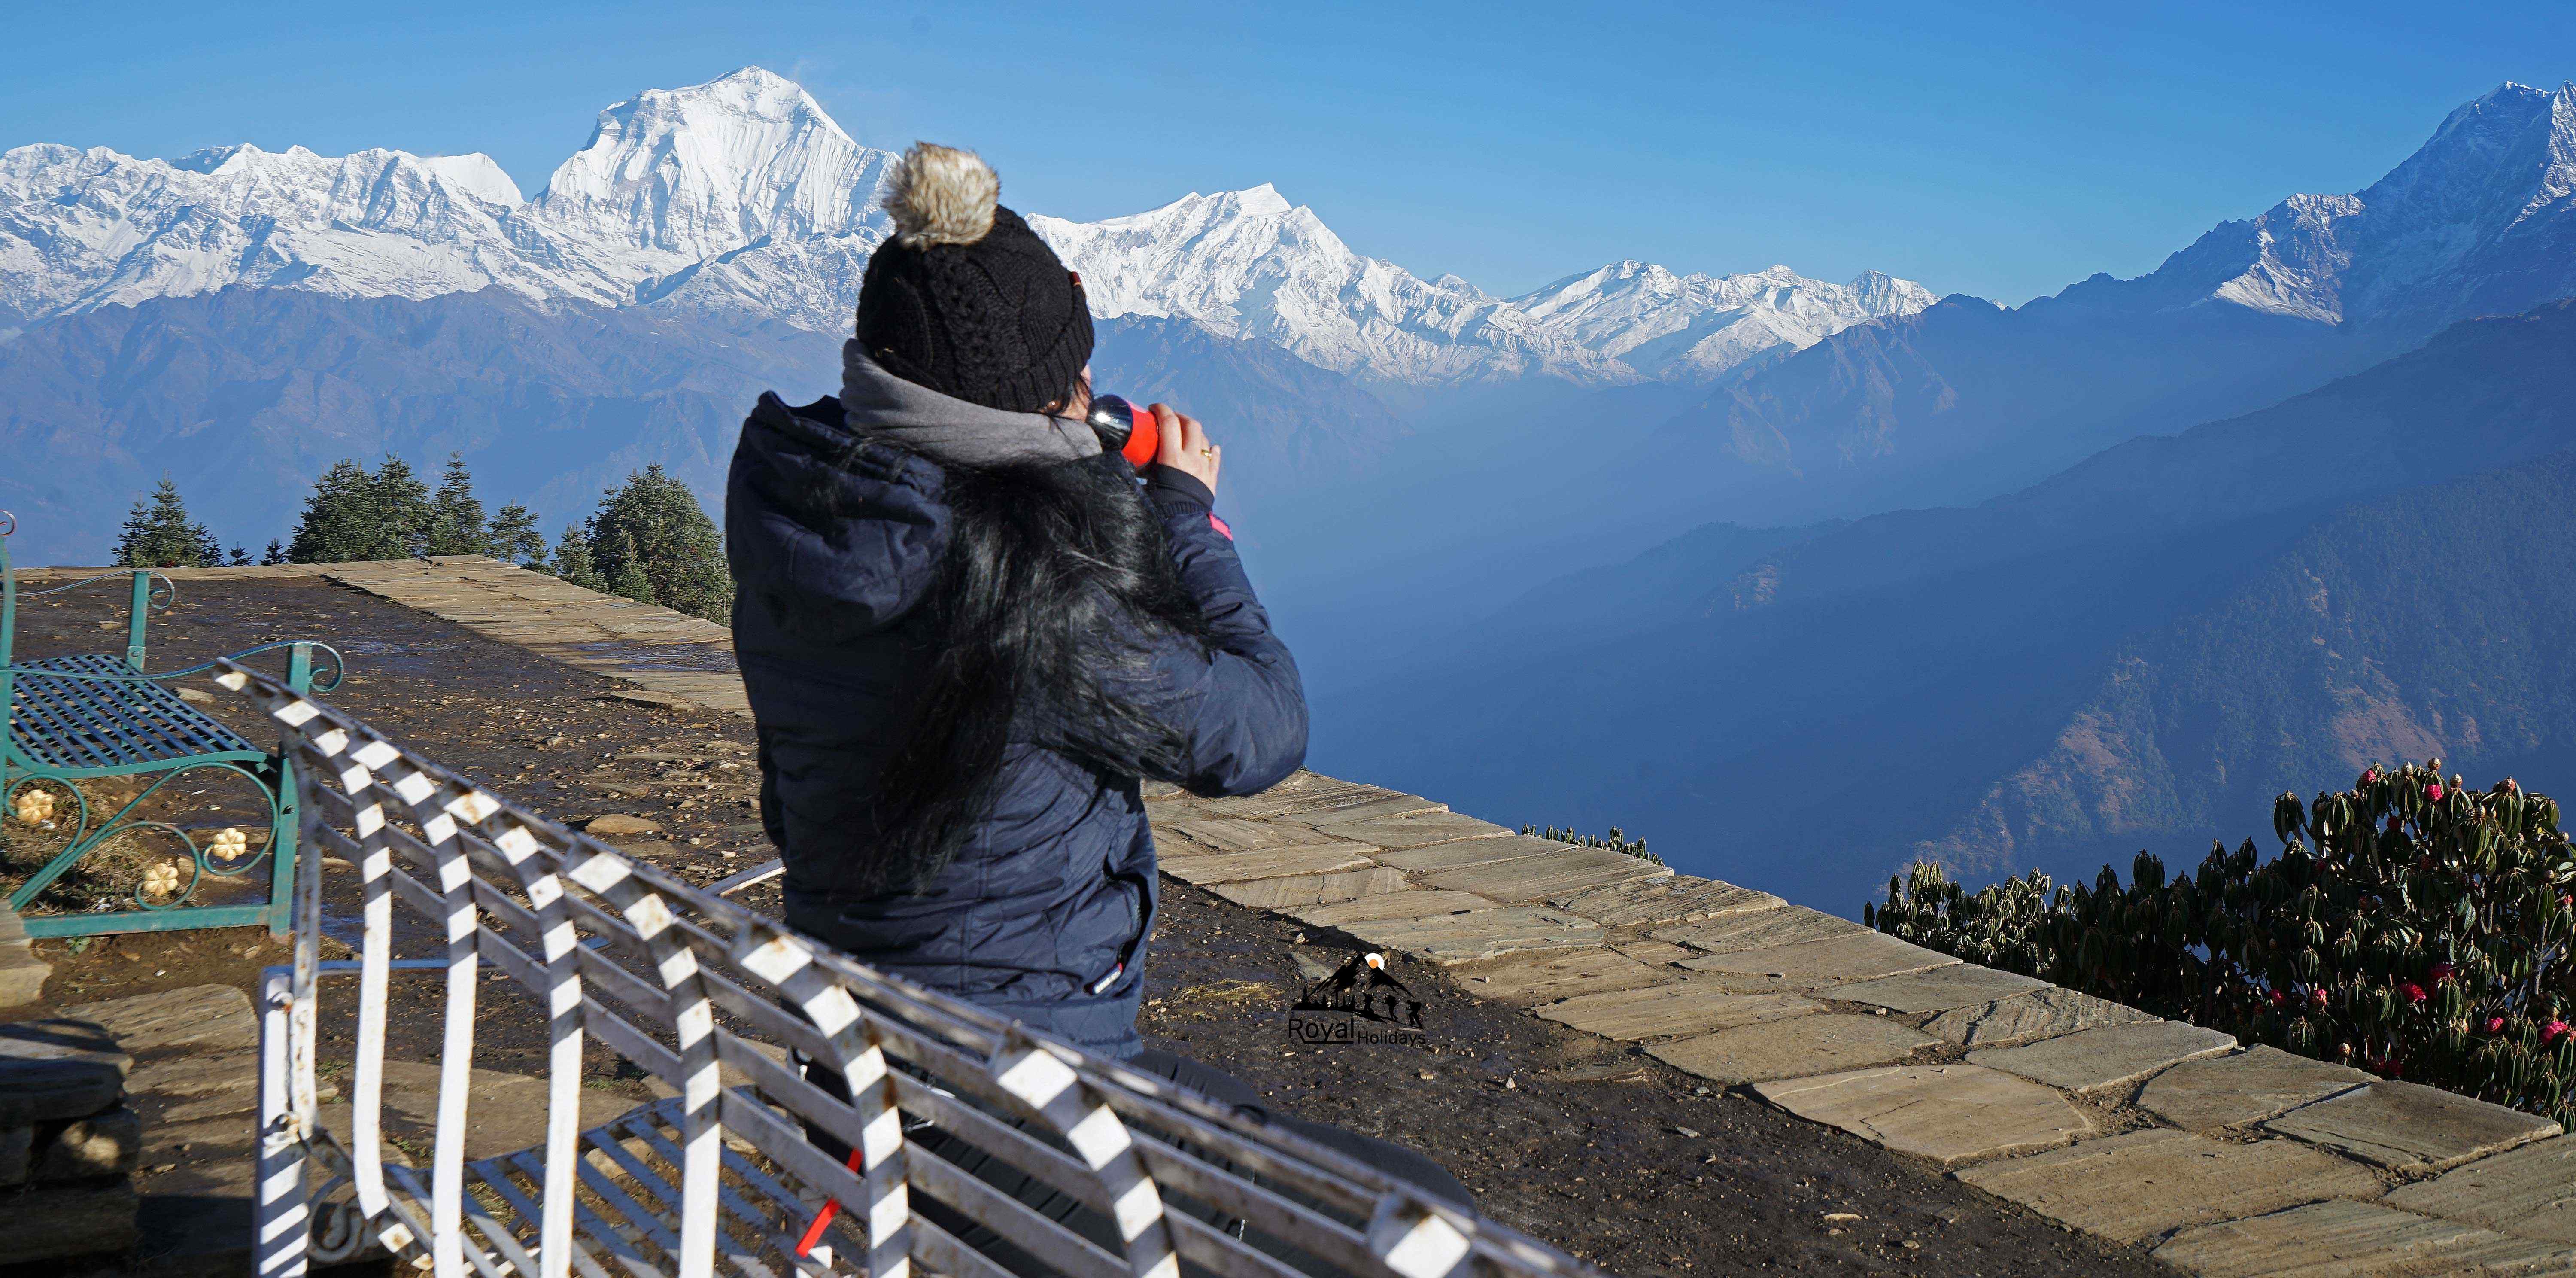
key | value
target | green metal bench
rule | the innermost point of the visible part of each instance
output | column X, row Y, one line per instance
column 90, row 715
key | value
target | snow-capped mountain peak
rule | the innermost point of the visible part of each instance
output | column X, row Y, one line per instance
column 1251, row 264
column 742, row 197
column 1259, row 201
column 704, row 170
column 2474, row 222
column 81, row 229
column 479, row 174
column 1687, row 327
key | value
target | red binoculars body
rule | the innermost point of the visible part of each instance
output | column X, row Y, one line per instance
column 1125, row 429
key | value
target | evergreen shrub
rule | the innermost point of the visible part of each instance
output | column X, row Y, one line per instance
column 1617, row 841
column 2410, row 926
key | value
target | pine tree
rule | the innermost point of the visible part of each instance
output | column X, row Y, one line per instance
column 276, row 553
column 402, row 501
column 573, row 562
column 159, row 534
column 628, row 578
column 514, row 537
column 240, row 558
column 456, row 525
column 341, row 520
column 652, row 533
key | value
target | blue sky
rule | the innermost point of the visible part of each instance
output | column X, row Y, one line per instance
column 1998, row 149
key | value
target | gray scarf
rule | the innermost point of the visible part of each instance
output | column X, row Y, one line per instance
column 947, row 429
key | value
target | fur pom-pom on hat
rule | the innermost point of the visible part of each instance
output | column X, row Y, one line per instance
column 964, row 298
column 941, row 195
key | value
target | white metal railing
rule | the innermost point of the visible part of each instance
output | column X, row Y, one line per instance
column 725, row 1177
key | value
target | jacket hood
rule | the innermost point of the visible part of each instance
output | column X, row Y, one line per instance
column 949, row 430
column 829, row 533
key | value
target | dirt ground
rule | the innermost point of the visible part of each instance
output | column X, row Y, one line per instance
column 1632, row 1165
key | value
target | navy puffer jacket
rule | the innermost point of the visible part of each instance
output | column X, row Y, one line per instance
column 834, row 537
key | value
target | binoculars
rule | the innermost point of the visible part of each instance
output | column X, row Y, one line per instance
column 1124, row 429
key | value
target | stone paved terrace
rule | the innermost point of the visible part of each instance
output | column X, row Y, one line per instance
column 2224, row 1161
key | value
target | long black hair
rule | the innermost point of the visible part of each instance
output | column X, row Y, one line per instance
column 1057, row 586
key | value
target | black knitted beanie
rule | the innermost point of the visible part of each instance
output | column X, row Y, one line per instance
column 966, row 299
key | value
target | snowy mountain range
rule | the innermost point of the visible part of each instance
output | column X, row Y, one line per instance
column 1963, row 400
column 2480, row 220
column 741, row 199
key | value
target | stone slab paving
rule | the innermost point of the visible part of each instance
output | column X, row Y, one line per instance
column 1398, row 833
column 2102, row 1059
column 1556, row 875
column 2337, row 1239
column 1409, row 904
column 2147, row 1184
column 1939, row 989
column 1458, row 856
column 651, row 647
column 1233, row 834
column 1793, row 1047
column 1464, row 938
column 1545, row 978
column 22, row 974
column 1760, row 929
column 1302, row 796
column 1658, row 953
column 1680, row 898
column 1362, row 807
column 195, row 1084
column 1672, row 1010
column 1946, row 1113
column 56, row 1068
column 1297, row 891
column 2529, row 1192
column 2248, row 1087
column 2409, row 1127
column 1269, row 863
column 2043, row 1013
column 1811, row 966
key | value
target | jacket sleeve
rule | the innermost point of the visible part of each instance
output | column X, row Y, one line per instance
column 1240, row 705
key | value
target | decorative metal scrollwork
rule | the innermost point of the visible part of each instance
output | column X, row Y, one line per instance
column 60, row 811
column 162, row 593
column 167, row 882
column 45, row 810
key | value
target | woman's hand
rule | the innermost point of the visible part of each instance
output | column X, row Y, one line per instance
column 1185, row 446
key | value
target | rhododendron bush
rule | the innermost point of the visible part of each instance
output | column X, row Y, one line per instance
column 2410, row 926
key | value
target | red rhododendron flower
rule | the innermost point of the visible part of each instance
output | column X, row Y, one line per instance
column 2369, row 775
column 2317, row 997
column 2434, row 792
column 2553, row 1031
column 2495, row 1024
column 2414, row 993
column 2442, row 972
